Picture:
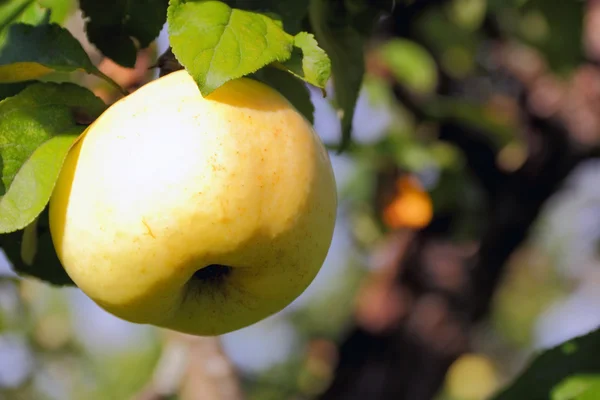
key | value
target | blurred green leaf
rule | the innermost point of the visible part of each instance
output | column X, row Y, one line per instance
column 410, row 64
column 468, row 14
column 551, row 367
column 554, row 27
column 14, row 11
column 19, row 11
column 277, row 382
column 452, row 45
column 344, row 45
column 217, row 43
column 562, row 41
column 115, row 26
column 515, row 310
column 124, row 374
column 576, row 386
column 440, row 33
column 61, row 9
column 32, row 12
column 591, row 393
column 378, row 92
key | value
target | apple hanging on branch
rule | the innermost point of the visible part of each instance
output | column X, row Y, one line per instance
column 200, row 214
column 202, row 202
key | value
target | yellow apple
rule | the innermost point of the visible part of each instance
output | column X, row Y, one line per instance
column 198, row 214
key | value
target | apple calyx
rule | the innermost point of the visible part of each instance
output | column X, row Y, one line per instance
column 213, row 273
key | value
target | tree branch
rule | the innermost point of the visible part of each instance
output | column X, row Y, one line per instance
column 480, row 153
column 195, row 368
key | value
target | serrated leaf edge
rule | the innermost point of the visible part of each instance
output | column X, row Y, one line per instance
column 202, row 87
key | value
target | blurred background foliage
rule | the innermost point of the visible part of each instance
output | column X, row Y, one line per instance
column 490, row 65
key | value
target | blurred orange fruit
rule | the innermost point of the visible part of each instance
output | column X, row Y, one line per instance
column 411, row 208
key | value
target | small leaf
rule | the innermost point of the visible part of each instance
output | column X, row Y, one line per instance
column 35, row 243
column 310, row 62
column 37, row 127
column 344, row 45
column 291, row 88
column 31, row 52
column 553, row 366
column 114, row 24
column 217, row 43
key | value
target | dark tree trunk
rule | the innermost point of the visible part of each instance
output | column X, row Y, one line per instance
column 445, row 288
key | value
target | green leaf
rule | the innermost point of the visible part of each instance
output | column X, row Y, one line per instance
column 31, row 52
column 555, row 27
column 113, row 25
column 10, row 89
column 293, row 89
column 309, row 62
column 217, row 43
column 344, row 45
column 292, row 13
column 562, row 42
column 575, row 386
column 61, row 9
column 36, row 129
column 591, row 393
column 468, row 14
column 33, row 12
column 33, row 184
column 31, row 252
column 410, row 64
column 17, row 10
column 26, row 11
column 548, row 369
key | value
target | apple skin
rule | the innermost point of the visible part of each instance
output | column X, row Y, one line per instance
column 166, row 183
